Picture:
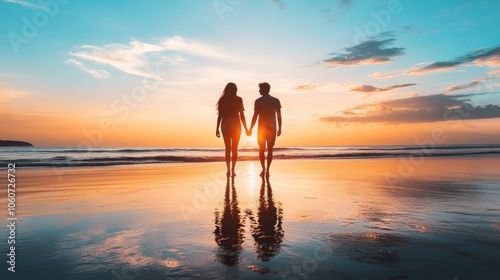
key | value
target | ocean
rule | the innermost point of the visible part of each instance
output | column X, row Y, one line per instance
column 41, row 157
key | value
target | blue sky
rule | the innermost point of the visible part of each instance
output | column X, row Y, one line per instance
column 338, row 66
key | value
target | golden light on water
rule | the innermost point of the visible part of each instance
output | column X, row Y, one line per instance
column 252, row 175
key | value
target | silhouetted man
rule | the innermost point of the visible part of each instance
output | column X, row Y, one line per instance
column 268, row 109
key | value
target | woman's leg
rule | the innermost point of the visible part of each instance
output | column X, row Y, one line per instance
column 234, row 148
column 227, row 144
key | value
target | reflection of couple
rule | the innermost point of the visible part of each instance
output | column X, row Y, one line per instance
column 230, row 116
column 266, row 228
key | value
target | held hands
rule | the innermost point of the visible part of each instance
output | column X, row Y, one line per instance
column 249, row 132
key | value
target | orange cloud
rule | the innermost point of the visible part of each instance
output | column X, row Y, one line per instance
column 306, row 87
column 369, row 89
column 8, row 93
column 490, row 57
column 418, row 109
column 472, row 84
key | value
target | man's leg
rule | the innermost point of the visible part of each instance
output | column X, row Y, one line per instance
column 262, row 158
column 270, row 146
column 261, row 139
column 269, row 155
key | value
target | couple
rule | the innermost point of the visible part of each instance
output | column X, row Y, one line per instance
column 230, row 116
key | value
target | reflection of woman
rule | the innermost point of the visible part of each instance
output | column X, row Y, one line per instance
column 229, row 229
column 267, row 231
column 230, row 112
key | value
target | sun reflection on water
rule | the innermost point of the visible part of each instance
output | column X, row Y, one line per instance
column 251, row 179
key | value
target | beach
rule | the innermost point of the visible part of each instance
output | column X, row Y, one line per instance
column 436, row 218
column 122, row 121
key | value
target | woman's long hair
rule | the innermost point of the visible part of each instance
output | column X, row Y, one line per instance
column 227, row 98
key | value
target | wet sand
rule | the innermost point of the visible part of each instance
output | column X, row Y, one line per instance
column 436, row 218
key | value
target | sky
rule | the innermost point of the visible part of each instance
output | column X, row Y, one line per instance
column 347, row 72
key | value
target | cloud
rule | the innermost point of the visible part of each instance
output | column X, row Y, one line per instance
column 126, row 247
column 472, row 84
column 100, row 74
column 8, row 93
column 491, row 61
column 344, row 4
column 454, row 10
column 306, row 87
column 369, row 52
column 493, row 85
column 334, row 11
column 27, row 4
column 495, row 73
column 489, row 57
column 368, row 89
column 418, row 109
column 407, row 29
column 136, row 57
column 280, row 4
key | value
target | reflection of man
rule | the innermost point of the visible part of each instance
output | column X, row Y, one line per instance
column 268, row 109
column 267, row 229
column 229, row 228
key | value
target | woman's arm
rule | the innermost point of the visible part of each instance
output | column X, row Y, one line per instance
column 243, row 120
column 219, row 119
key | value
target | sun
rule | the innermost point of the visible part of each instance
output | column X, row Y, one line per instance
column 250, row 141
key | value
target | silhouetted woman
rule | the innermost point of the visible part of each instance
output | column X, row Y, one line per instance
column 229, row 119
column 229, row 228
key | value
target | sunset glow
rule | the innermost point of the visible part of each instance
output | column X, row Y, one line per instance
column 88, row 74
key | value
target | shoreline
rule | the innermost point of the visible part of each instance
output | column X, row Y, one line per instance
column 55, row 158
column 256, row 159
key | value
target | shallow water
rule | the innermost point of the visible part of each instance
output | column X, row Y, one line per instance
column 329, row 219
column 61, row 157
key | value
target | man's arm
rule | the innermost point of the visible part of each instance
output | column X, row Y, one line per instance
column 278, row 114
column 254, row 119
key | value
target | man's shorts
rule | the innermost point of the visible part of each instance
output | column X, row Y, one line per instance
column 266, row 134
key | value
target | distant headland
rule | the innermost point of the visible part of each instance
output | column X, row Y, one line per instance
column 12, row 143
